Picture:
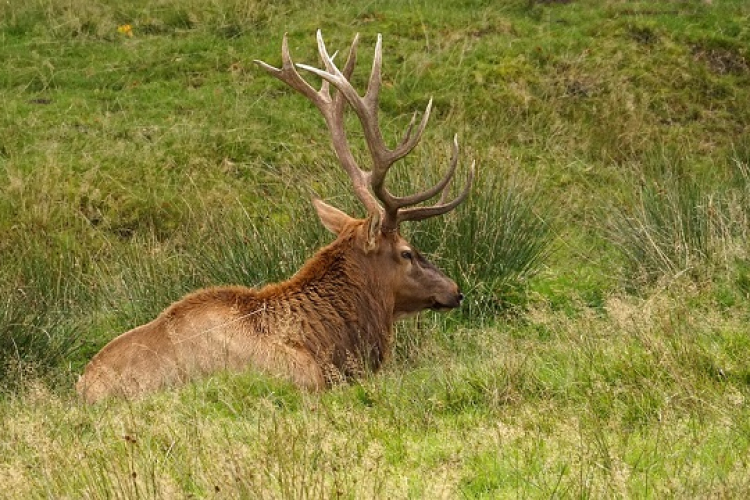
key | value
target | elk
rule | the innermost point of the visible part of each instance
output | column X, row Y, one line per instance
column 333, row 320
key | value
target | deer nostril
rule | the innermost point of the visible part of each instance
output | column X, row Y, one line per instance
column 460, row 296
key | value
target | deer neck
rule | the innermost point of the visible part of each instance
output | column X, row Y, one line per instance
column 347, row 308
column 339, row 273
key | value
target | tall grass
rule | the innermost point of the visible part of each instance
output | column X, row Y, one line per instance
column 643, row 399
column 672, row 223
column 44, row 309
column 35, row 343
column 253, row 250
column 495, row 243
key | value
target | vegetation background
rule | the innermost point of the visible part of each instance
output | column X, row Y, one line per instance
column 603, row 349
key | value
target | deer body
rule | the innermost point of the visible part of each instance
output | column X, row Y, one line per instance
column 333, row 319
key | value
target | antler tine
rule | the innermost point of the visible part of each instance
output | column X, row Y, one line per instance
column 289, row 75
column 420, row 213
column 351, row 58
column 332, row 74
column 373, row 86
column 409, row 142
column 440, row 187
column 454, row 161
column 327, row 60
column 351, row 61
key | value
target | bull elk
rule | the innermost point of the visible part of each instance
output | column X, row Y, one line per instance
column 333, row 319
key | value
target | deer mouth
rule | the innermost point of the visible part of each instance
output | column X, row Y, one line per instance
column 446, row 306
column 441, row 307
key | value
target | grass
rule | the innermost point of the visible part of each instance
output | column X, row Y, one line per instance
column 681, row 224
column 535, row 415
column 601, row 351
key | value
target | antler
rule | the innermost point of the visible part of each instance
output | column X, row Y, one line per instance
column 366, row 108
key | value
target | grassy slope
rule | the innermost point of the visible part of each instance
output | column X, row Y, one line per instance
column 122, row 158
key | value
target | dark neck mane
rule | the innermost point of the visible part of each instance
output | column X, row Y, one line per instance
column 344, row 310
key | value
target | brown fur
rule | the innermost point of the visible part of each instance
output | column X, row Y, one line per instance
column 330, row 322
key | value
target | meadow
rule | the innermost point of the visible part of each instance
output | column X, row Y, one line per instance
column 603, row 350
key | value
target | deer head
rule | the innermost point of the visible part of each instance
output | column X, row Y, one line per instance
column 415, row 283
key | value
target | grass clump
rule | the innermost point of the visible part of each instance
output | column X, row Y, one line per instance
column 42, row 293
column 674, row 223
column 495, row 244
column 34, row 345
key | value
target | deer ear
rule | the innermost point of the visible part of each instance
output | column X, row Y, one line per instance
column 374, row 227
column 332, row 218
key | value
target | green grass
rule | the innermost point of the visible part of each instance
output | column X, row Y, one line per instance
column 601, row 352
column 679, row 224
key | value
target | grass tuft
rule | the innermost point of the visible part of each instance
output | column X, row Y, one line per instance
column 676, row 224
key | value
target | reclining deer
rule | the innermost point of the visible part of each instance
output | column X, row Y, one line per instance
column 331, row 321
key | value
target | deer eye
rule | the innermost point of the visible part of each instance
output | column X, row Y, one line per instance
column 406, row 254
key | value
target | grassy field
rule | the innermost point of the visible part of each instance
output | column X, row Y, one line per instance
column 604, row 347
